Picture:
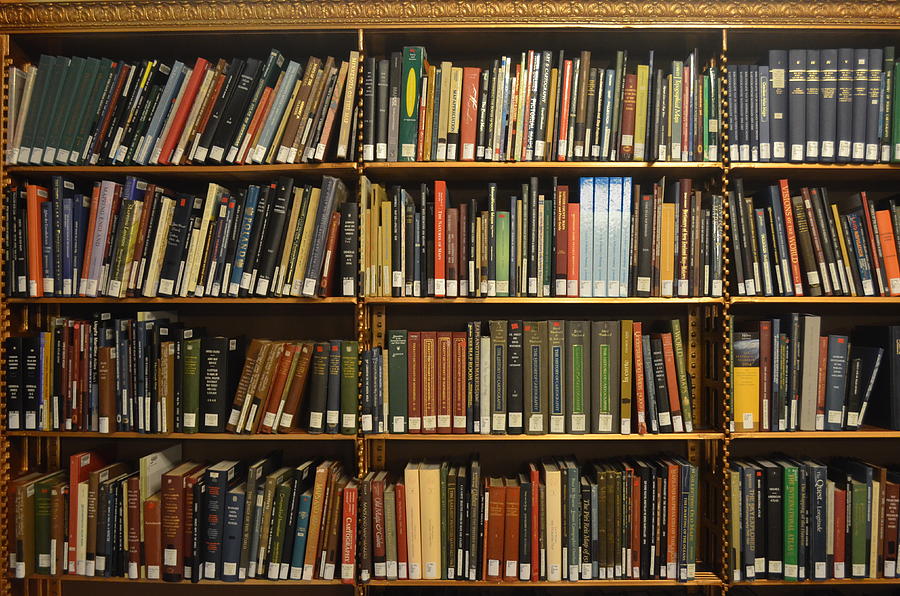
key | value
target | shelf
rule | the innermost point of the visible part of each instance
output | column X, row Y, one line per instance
column 703, row 578
column 548, row 300
column 489, row 170
column 297, row 436
column 254, row 583
column 178, row 300
column 869, row 300
column 867, row 432
column 824, row 583
column 819, row 167
column 253, row 172
column 813, row 173
column 702, row 435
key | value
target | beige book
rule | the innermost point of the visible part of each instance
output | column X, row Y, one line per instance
column 348, row 105
column 199, row 103
column 542, row 150
column 30, row 76
column 365, row 192
column 82, row 529
column 305, row 242
column 256, row 373
column 430, row 511
column 444, row 116
column 261, row 153
column 298, row 113
column 198, row 239
column 157, row 254
column 456, row 77
column 413, row 523
column 553, row 519
column 293, row 216
column 166, row 390
column 151, row 468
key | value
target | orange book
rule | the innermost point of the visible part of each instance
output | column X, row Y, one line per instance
column 672, row 382
column 296, row 390
column 276, row 390
column 495, row 530
column 261, row 112
column 35, row 196
column 459, row 382
column 440, row 238
column 184, row 108
column 444, row 380
column 511, row 531
column 888, row 250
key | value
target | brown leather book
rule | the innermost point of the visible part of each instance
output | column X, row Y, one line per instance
column 496, row 529
column 459, row 382
column 58, row 496
column 134, row 260
column 250, row 358
column 325, row 526
column 94, row 479
column 152, row 537
column 330, row 554
column 133, row 531
column 298, row 110
column 379, row 549
column 429, row 382
column 629, row 105
column 22, row 512
column 314, row 107
column 296, row 388
column 280, row 376
column 414, row 381
column 106, row 382
column 326, row 287
column 444, row 381
column 316, row 515
column 188, row 520
column 261, row 390
column 510, row 568
column 173, row 519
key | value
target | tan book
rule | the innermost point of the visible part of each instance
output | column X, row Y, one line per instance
column 667, row 250
column 347, row 110
column 552, row 479
column 542, row 151
column 456, row 77
column 626, row 375
column 324, row 472
column 296, row 111
column 430, row 511
column 413, row 520
column 444, row 115
column 22, row 489
column 263, row 154
column 316, row 147
column 261, row 391
column 166, row 386
column 306, row 238
column 429, row 113
column 152, row 467
column 293, row 216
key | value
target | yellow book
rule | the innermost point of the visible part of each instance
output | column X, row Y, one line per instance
column 667, row 249
column 305, row 242
column 429, row 114
column 745, row 380
column 640, row 112
column 386, row 234
column 430, row 516
column 552, row 478
column 444, row 115
column 413, row 515
column 845, row 257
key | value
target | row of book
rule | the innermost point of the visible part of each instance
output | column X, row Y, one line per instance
column 533, row 377
column 141, row 239
column 802, row 519
column 787, row 375
column 607, row 238
column 812, row 105
column 558, row 520
column 813, row 244
column 169, row 519
column 541, row 106
column 154, row 374
column 97, row 111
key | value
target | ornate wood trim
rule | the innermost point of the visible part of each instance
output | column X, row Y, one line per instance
column 90, row 15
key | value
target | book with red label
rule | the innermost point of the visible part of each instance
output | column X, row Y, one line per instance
column 184, row 107
column 458, row 382
column 440, row 238
column 326, row 283
column 573, row 238
column 793, row 255
column 348, row 532
column 888, row 251
column 173, row 517
column 429, row 381
column 510, row 567
column 274, row 403
column 672, row 382
column 80, row 467
column 469, row 108
column 444, row 385
column 562, row 242
column 414, row 381
column 152, row 537
column 495, row 529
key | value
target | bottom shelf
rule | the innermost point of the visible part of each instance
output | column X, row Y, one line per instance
column 864, row 581
column 703, row 578
column 206, row 582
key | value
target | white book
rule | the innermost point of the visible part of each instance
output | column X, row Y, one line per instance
column 614, row 237
column 586, row 209
column 413, row 516
column 600, row 230
column 553, row 521
column 157, row 254
column 625, row 242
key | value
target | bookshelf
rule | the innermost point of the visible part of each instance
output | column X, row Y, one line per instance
column 473, row 29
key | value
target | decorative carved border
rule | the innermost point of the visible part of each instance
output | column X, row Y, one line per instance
column 88, row 15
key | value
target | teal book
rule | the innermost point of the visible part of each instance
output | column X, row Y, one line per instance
column 300, row 534
column 397, row 380
column 791, row 520
column 503, row 253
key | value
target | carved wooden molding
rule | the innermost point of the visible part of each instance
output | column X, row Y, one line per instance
column 88, row 15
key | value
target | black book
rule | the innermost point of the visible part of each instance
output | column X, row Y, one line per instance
column 141, row 113
column 492, row 239
column 753, row 80
column 233, row 110
column 828, row 99
column 829, row 249
column 533, row 224
column 644, row 273
column 744, row 223
column 860, row 107
column 31, row 380
column 381, row 113
column 14, row 387
column 773, row 479
column 219, row 367
column 886, row 386
column 107, row 103
column 397, row 248
column 541, row 142
column 257, row 235
column 808, row 265
column 426, row 229
column 271, row 247
column 268, row 77
column 369, row 109
column 233, row 74
column 743, row 113
column 658, row 366
column 515, row 378
column 124, row 104
column 349, row 248
column 778, row 103
column 874, row 105
column 490, row 114
column 232, row 234
column 483, row 99
column 409, row 241
column 429, row 247
column 845, row 75
column 175, row 244
column 797, row 104
column 813, row 75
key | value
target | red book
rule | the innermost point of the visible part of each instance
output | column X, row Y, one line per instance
column 561, row 226
column 888, row 251
column 765, row 373
column 452, row 228
column 635, row 524
column 402, row 546
column 791, row 236
column 184, row 108
column 262, row 111
column 35, row 196
column 840, row 533
column 639, row 398
column 444, row 381
column 468, row 125
column 877, row 264
column 535, row 479
column 628, row 110
column 189, row 483
column 563, row 127
column 672, row 382
column 820, row 388
column 80, row 467
column 326, row 287
column 440, row 238
column 348, row 533
column 414, row 381
column 458, row 382
column 573, row 237
column 511, row 531
column 429, row 381
column 279, row 379
column 496, row 528
column 379, row 549
column 173, row 519
column 152, row 537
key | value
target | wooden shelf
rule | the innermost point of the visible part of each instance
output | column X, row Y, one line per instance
column 866, row 432
column 297, row 436
column 703, row 578
column 253, row 172
column 868, row 300
column 549, row 300
column 250, row 583
column 702, row 435
column 824, row 583
column 179, row 300
column 819, row 167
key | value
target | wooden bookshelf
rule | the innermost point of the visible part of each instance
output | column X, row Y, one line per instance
column 548, row 300
column 703, row 578
column 694, row 436
column 293, row 436
column 244, row 173
column 105, row 300
column 866, row 432
column 250, row 583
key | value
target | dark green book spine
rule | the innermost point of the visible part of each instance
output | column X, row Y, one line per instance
column 349, row 386
column 397, row 380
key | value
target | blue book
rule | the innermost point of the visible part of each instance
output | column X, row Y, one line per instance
column 218, row 477
column 625, row 242
column 240, row 255
column 300, row 535
column 146, row 143
column 47, row 248
column 234, row 522
column 601, row 227
column 586, row 200
column 614, row 238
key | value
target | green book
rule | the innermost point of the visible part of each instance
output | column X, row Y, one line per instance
column 791, row 520
column 349, row 386
column 191, row 386
column 684, row 386
column 859, row 534
column 676, row 112
column 279, row 521
column 888, row 102
column 36, row 108
column 604, row 384
column 76, row 110
column 549, row 206
column 503, row 253
column 706, row 102
column 51, row 107
column 578, row 376
column 42, row 517
column 414, row 60
column 91, row 110
column 64, row 108
column 397, row 380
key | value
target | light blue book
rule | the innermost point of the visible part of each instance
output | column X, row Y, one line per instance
column 586, row 208
column 279, row 104
column 601, row 236
column 614, row 238
column 627, row 199
column 146, row 143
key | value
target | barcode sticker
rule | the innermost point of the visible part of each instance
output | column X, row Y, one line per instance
column 153, row 571
column 827, row 148
column 346, row 570
column 348, row 420
column 269, row 419
column 458, row 422
column 890, row 568
column 332, row 416
column 515, row 419
column 859, row 569
column 431, row 570
column 604, row 423
column 665, row 418
column 578, row 423
column 536, row 423
column 429, row 422
column 747, row 420
column 852, row 418
column 415, row 423
column 104, row 424
column 839, row 571
column 189, row 419
column 229, row 568
column 493, row 567
column 315, row 419
column 210, row 419
column 557, row 424
column 797, row 152
column 498, row 421
column 170, row 556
